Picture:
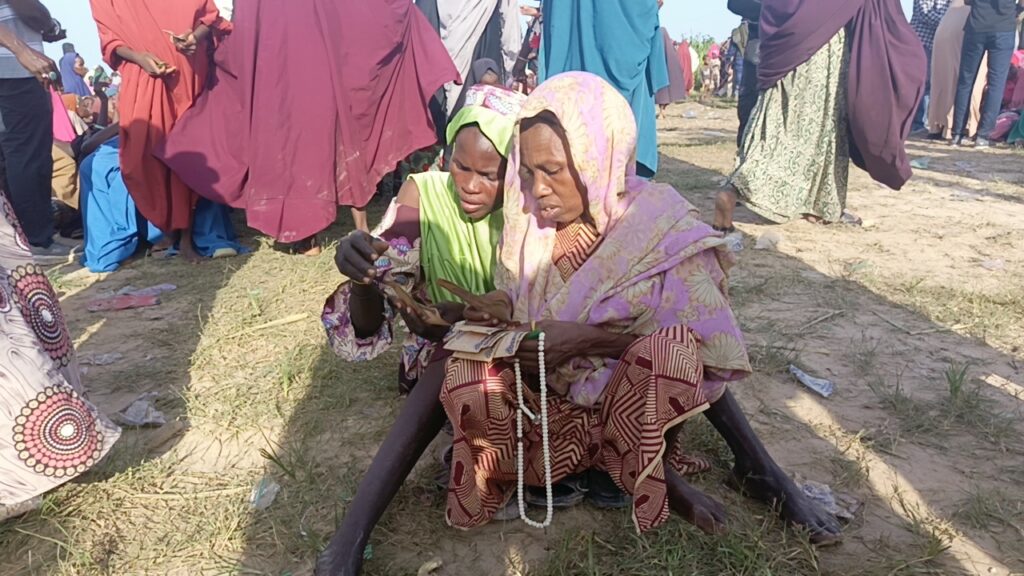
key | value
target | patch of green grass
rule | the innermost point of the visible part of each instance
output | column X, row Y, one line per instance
column 990, row 509
column 752, row 548
column 934, row 535
column 911, row 416
column 962, row 408
column 850, row 469
column 995, row 317
column 772, row 357
column 966, row 406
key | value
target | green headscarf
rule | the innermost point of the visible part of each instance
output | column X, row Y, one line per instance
column 452, row 246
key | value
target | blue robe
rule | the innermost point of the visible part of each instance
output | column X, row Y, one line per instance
column 113, row 226
column 620, row 42
column 73, row 83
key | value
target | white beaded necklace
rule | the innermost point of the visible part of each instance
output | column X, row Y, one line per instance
column 544, row 438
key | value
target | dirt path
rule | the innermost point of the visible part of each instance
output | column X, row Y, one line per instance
column 917, row 317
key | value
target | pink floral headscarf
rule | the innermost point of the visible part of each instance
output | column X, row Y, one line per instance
column 657, row 264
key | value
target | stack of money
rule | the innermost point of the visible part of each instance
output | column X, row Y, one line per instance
column 483, row 343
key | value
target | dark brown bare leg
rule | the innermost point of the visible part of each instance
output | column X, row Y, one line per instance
column 417, row 424
column 757, row 474
column 693, row 505
column 186, row 249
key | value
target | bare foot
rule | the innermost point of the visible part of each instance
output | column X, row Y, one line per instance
column 694, row 506
column 189, row 254
column 725, row 205
column 778, row 490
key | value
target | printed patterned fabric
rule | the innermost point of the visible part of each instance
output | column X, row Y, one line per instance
column 400, row 228
column 656, row 385
column 573, row 245
column 49, row 432
column 656, row 265
column 795, row 157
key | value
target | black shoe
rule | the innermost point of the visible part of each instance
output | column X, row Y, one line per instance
column 603, row 493
column 565, row 494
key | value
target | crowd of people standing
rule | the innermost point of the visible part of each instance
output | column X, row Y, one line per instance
column 526, row 165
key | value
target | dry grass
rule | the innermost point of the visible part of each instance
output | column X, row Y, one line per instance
column 273, row 402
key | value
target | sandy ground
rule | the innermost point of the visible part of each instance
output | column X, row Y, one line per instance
column 923, row 299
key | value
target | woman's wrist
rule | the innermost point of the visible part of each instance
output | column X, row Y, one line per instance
column 362, row 291
column 596, row 341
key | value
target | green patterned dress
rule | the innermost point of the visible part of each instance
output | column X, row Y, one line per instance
column 795, row 157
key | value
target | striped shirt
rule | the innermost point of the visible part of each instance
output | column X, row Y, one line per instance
column 9, row 65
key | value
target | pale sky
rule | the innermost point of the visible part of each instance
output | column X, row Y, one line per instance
column 681, row 17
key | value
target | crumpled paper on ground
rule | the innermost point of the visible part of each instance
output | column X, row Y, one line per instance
column 141, row 412
column 843, row 506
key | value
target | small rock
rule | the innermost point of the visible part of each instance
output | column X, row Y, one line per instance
column 768, row 241
column 993, row 265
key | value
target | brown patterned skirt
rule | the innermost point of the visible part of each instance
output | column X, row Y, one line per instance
column 656, row 385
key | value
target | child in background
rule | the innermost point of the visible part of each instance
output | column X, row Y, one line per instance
column 707, row 79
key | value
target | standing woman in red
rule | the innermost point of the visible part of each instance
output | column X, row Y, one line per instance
column 162, row 50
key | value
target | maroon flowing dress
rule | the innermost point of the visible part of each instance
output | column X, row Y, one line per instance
column 312, row 102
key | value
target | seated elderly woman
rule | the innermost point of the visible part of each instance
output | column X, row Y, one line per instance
column 627, row 287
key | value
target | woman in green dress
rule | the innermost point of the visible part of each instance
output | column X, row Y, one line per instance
column 795, row 159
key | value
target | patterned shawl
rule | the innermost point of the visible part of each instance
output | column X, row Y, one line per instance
column 657, row 265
